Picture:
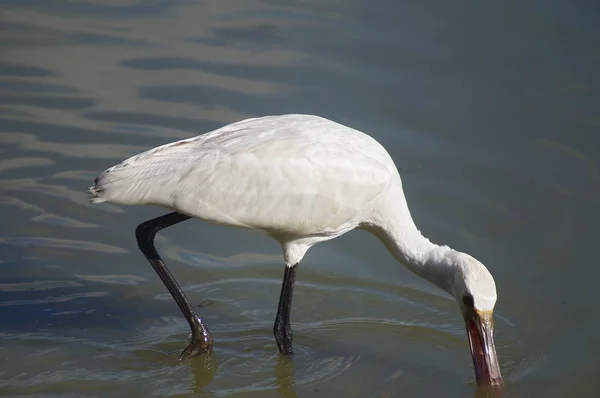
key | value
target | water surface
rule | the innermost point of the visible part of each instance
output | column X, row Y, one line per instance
column 490, row 112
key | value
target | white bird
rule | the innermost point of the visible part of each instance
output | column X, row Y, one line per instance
column 300, row 179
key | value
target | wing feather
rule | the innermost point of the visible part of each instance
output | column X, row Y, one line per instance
column 301, row 176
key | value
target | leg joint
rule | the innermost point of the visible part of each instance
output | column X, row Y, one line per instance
column 145, row 232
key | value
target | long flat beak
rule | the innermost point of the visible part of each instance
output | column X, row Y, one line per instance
column 480, row 329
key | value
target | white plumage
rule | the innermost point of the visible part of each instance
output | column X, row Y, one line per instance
column 301, row 179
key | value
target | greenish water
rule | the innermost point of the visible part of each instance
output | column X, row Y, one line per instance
column 491, row 112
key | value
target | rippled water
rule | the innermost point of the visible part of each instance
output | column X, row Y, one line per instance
column 490, row 111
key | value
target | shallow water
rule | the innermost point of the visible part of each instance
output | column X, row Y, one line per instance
column 490, row 112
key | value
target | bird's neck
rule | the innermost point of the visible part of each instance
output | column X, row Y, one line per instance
column 398, row 232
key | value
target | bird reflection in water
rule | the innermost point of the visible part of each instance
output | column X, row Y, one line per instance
column 284, row 377
column 204, row 368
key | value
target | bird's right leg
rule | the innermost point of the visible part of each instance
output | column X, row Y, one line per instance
column 282, row 328
column 201, row 340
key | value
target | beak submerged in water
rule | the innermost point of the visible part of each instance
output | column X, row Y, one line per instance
column 480, row 329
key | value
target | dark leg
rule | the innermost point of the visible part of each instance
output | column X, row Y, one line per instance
column 282, row 329
column 201, row 340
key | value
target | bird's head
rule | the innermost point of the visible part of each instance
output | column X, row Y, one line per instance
column 474, row 289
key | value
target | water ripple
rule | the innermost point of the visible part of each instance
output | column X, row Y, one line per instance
column 17, row 163
column 43, row 215
column 53, row 300
column 63, row 243
column 113, row 279
column 37, row 285
column 31, row 142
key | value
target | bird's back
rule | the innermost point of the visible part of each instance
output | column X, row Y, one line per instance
column 292, row 175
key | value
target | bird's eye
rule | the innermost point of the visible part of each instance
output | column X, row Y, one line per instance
column 468, row 301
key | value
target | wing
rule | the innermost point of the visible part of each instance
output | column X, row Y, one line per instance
column 293, row 174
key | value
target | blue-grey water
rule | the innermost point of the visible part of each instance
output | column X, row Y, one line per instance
column 490, row 110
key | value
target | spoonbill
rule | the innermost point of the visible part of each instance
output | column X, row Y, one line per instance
column 300, row 179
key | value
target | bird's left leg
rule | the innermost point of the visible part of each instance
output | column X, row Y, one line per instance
column 201, row 340
column 282, row 328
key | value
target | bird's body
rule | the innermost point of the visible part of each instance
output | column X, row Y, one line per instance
column 256, row 175
column 300, row 179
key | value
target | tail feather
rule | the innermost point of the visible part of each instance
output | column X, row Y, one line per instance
column 146, row 178
column 131, row 185
column 96, row 191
